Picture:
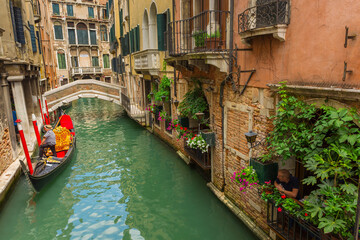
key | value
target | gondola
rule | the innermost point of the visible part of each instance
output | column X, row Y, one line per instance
column 48, row 168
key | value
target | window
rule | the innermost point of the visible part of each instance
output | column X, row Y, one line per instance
column 82, row 34
column 33, row 38
column 58, row 31
column 105, row 14
column 95, row 61
column 91, row 12
column 17, row 23
column 71, row 33
column 56, row 10
column 106, row 61
column 70, row 11
column 92, row 34
column 121, row 23
column 61, row 60
column 74, row 61
column 103, row 33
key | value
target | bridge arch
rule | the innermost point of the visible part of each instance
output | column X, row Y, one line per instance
column 82, row 89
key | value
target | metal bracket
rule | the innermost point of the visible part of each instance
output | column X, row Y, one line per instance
column 346, row 71
column 347, row 36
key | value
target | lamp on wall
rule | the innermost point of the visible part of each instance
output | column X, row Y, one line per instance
column 176, row 103
column 251, row 138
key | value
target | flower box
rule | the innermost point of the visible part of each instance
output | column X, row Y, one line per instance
column 209, row 137
column 265, row 171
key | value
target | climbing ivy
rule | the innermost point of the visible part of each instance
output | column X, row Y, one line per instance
column 162, row 90
column 327, row 141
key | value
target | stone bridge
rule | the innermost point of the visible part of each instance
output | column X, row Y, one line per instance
column 82, row 89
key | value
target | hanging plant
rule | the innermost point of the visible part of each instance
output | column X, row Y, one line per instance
column 162, row 90
column 194, row 102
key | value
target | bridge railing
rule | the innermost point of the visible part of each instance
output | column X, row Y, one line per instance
column 125, row 102
column 86, row 70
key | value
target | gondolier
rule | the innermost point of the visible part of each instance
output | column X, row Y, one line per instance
column 49, row 141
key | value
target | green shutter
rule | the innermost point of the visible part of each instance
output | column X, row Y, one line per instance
column 91, row 12
column 70, row 11
column 61, row 61
column 58, row 32
column 131, row 41
column 71, row 33
column 95, row 61
column 92, row 37
column 106, row 61
column 121, row 23
column 82, row 36
column 138, row 38
column 56, row 10
column 161, row 29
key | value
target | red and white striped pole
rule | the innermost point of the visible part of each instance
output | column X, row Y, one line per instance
column 42, row 116
column 26, row 151
column 47, row 110
column 36, row 129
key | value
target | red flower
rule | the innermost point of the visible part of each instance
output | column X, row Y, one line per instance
column 195, row 135
column 181, row 128
column 306, row 214
column 279, row 209
column 185, row 129
column 283, row 196
column 192, row 138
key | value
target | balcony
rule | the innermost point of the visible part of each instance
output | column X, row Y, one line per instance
column 289, row 227
column 86, row 70
column 147, row 61
column 205, row 32
column 269, row 18
column 201, row 159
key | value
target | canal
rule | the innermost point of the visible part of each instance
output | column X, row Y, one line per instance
column 123, row 183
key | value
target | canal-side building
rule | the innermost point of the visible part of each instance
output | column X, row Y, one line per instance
column 80, row 37
column 20, row 59
column 240, row 61
column 142, row 42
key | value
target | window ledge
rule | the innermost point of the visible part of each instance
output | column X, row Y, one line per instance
column 278, row 32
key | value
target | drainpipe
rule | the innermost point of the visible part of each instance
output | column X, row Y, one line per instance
column 222, row 86
column 173, row 31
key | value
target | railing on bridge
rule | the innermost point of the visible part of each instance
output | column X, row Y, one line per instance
column 86, row 70
column 125, row 102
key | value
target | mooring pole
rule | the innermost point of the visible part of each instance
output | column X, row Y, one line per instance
column 23, row 141
column 36, row 129
column 42, row 116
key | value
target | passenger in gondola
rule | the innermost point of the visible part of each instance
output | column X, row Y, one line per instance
column 49, row 141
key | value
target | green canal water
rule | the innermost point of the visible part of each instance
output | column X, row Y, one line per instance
column 123, row 183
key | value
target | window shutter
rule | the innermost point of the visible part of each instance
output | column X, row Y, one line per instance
column 38, row 40
column 56, row 10
column 161, row 29
column 106, row 61
column 138, row 38
column 70, row 11
column 95, row 61
column 71, row 33
column 19, row 25
column 13, row 20
column 58, row 32
column 121, row 23
column 93, row 37
column 91, row 12
column 131, row 40
column 61, row 61
column 82, row 36
column 33, row 39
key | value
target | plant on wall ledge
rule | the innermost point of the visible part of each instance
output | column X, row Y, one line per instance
column 162, row 90
column 194, row 102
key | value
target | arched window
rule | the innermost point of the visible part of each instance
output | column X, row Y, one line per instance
column 103, row 33
column 153, row 27
column 58, row 31
column 82, row 34
column 61, row 59
column 145, row 30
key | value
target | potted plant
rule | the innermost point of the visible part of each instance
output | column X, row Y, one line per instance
column 197, row 142
column 213, row 41
column 246, row 178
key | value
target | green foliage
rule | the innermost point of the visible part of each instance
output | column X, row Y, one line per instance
column 199, row 37
column 194, row 102
column 163, row 89
column 215, row 34
column 327, row 142
column 247, row 177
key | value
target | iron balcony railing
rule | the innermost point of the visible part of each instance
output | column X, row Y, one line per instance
column 205, row 32
column 271, row 13
column 86, row 70
column 290, row 227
